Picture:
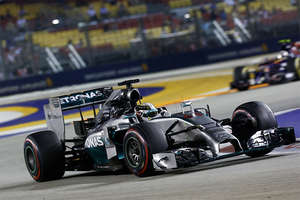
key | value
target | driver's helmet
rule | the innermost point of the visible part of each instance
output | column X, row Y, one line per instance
column 146, row 110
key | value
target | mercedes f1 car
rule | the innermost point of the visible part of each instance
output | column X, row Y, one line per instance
column 285, row 67
column 125, row 133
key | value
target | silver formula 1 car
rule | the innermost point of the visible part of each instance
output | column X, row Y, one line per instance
column 125, row 133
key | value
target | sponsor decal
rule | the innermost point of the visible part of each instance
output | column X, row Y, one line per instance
column 24, row 87
column 76, row 97
column 94, row 141
column 99, row 75
column 115, row 72
column 242, row 52
column 9, row 89
column 127, row 71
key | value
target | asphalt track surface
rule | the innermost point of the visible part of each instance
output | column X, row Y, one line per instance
column 276, row 176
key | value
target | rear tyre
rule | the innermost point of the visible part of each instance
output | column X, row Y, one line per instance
column 240, row 79
column 249, row 118
column 44, row 156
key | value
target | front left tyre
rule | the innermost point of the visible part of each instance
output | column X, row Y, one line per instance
column 137, row 152
column 240, row 79
column 140, row 142
column 44, row 156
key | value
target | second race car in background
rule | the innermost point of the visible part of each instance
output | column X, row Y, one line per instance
column 285, row 67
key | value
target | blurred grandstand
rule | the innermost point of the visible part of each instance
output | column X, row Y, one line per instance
column 41, row 37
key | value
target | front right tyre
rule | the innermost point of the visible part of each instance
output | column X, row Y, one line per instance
column 249, row 118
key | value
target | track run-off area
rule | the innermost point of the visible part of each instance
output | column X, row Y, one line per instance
column 275, row 176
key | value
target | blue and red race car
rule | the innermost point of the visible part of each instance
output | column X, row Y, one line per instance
column 285, row 67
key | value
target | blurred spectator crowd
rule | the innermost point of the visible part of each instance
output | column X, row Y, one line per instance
column 106, row 31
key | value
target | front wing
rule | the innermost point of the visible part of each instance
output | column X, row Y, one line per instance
column 185, row 157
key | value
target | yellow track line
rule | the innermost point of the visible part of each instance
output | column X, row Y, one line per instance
column 209, row 95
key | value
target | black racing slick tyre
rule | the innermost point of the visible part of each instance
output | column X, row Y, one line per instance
column 240, row 80
column 139, row 143
column 137, row 153
column 249, row 118
column 44, row 156
column 293, row 65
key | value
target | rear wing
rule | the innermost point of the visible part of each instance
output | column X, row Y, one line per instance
column 54, row 110
column 86, row 98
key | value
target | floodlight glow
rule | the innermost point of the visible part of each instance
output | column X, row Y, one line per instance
column 187, row 15
column 55, row 21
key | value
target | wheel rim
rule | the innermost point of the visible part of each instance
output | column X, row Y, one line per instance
column 30, row 159
column 134, row 152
